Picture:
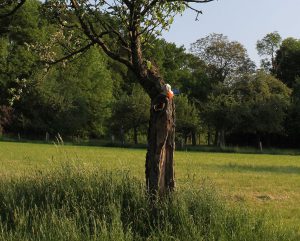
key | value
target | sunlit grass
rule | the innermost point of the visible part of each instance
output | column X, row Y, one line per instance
column 75, row 203
column 260, row 182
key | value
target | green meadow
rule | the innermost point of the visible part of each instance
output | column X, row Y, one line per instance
column 246, row 185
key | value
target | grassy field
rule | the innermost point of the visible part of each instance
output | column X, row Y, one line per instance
column 268, row 183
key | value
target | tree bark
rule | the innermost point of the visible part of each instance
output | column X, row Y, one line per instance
column 161, row 144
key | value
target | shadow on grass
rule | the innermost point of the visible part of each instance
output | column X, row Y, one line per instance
column 252, row 168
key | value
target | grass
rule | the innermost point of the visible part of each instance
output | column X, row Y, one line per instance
column 73, row 203
column 268, row 183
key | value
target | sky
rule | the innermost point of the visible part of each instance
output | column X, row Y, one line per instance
column 245, row 21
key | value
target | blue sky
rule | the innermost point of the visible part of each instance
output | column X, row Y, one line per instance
column 245, row 21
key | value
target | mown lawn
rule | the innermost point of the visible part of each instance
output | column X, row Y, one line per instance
column 261, row 182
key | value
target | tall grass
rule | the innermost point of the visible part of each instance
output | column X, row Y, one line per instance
column 72, row 203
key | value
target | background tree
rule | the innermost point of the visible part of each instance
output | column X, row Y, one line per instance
column 220, row 112
column 256, row 104
column 265, row 101
column 194, row 80
column 187, row 119
column 268, row 47
column 17, row 63
column 6, row 116
column 224, row 58
column 226, row 61
column 293, row 119
column 131, row 112
column 169, row 59
column 288, row 60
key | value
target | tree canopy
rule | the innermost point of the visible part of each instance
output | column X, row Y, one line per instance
column 287, row 61
column 224, row 58
column 268, row 47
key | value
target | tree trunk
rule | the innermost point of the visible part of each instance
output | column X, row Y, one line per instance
column 194, row 138
column 185, row 139
column 259, row 143
column 122, row 135
column 135, row 135
column 216, row 140
column 161, row 132
column 161, row 144
column 222, row 139
column 208, row 138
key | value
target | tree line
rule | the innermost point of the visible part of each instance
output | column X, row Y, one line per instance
column 221, row 97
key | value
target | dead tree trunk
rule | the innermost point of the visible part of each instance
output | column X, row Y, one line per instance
column 161, row 144
column 159, row 167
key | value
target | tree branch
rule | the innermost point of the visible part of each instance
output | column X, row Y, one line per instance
column 194, row 9
column 81, row 50
column 15, row 9
column 191, row 1
column 154, row 2
column 149, row 7
column 97, row 39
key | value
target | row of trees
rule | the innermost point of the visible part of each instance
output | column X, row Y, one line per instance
column 221, row 96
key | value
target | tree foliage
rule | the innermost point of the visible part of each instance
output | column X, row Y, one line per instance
column 255, row 104
column 187, row 121
column 268, row 47
column 224, row 58
column 10, row 7
column 287, row 61
column 131, row 112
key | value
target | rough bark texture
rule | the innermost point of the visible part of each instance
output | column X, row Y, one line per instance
column 161, row 144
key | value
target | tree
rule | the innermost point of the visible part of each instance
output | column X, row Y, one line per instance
column 220, row 112
column 195, row 81
column 17, row 63
column 73, row 99
column 255, row 104
column 129, row 24
column 5, row 117
column 226, row 61
column 288, row 61
column 268, row 47
column 224, row 58
column 169, row 59
column 187, row 118
column 266, row 101
column 131, row 112
column 293, row 118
